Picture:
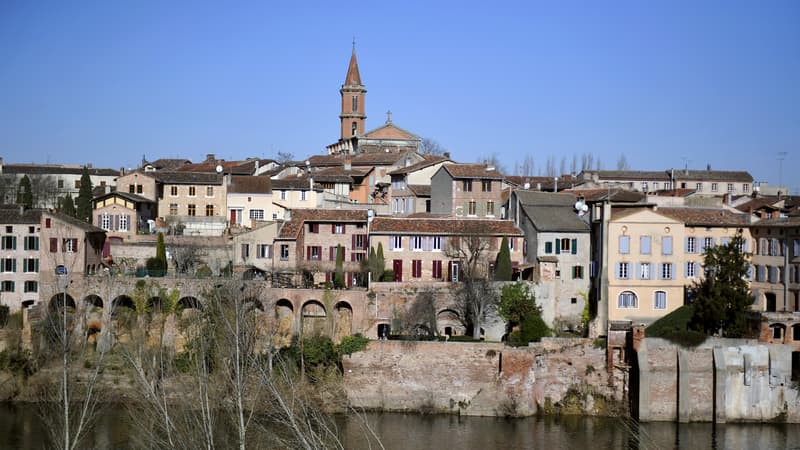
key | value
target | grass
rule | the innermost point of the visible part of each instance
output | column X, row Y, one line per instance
column 674, row 327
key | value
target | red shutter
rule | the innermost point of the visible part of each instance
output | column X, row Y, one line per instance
column 331, row 253
column 344, row 228
column 308, row 253
column 53, row 244
column 353, row 246
column 344, row 254
column 449, row 270
column 333, row 228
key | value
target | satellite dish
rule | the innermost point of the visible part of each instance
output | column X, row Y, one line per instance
column 578, row 205
column 527, row 185
column 585, row 208
column 219, row 168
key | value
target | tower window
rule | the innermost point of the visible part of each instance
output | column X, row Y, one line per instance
column 353, row 128
column 355, row 104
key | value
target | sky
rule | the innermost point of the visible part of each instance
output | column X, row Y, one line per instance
column 667, row 84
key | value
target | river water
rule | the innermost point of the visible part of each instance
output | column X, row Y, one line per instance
column 20, row 428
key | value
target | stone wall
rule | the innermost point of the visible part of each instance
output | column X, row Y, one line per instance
column 556, row 376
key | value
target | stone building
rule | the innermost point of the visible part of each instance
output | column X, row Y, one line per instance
column 122, row 215
column 411, row 186
column 193, row 201
column 776, row 264
column 50, row 182
column 467, row 190
column 19, row 256
column 249, row 201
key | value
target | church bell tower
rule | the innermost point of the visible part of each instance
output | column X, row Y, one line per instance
column 353, row 96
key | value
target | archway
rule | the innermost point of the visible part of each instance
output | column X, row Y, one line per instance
column 57, row 301
column 123, row 301
column 449, row 323
column 189, row 303
column 314, row 318
column 93, row 300
column 384, row 329
column 343, row 321
column 284, row 323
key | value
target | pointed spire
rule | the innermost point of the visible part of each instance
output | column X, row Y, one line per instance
column 353, row 78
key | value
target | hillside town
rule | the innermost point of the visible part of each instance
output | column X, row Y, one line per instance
column 342, row 242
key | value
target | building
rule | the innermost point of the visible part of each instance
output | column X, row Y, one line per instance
column 19, row 256
column 775, row 281
column 467, row 190
column 436, row 248
column 411, row 186
column 293, row 193
column 193, row 202
column 253, row 250
column 250, row 201
column 709, row 182
column 124, row 216
column 51, row 182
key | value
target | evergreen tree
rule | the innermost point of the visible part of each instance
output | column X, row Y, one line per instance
column 161, row 249
column 723, row 297
column 68, row 206
column 84, row 201
column 338, row 277
column 24, row 192
column 380, row 263
column 502, row 271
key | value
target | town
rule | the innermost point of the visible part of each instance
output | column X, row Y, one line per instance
column 390, row 237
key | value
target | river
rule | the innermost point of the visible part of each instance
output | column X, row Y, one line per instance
column 20, row 428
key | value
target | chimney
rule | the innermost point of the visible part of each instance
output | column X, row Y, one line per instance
column 348, row 164
column 256, row 166
column 89, row 166
column 210, row 157
column 122, row 171
column 445, row 154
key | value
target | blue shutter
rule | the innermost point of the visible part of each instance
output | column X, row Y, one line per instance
column 686, row 245
column 624, row 244
column 574, row 246
column 645, row 245
column 616, row 270
column 558, row 247
column 666, row 245
column 755, row 296
column 99, row 221
column 548, row 247
column 746, row 245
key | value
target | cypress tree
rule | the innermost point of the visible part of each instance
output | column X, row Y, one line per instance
column 68, row 206
column 84, row 201
column 502, row 271
column 380, row 263
column 24, row 192
column 161, row 250
column 338, row 277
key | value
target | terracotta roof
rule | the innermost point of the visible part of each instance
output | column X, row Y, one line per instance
column 420, row 165
column 13, row 214
column 793, row 221
column 758, row 203
column 126, row 195
column 85, row 226
column 292, row 227
column 545, row 198
column 543, row 183
column 471, row 171
column 353, row 78
column 293, row 183
column 705, row 216
column 241, row 184
column 390, row 131
column 673, row 192
column 420, row 190
column 443, row 226
column 236, row 167
column 632, row 175
column 712, row 175
column 54, row 169
column 188, row 177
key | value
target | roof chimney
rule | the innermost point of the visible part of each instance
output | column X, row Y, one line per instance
column 708, row 167
column 122, row 171
column 210, row 157
column 348, row 164
column 445, row 154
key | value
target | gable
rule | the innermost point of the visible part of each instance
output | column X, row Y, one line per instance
column 642, row 215
column 390, row 131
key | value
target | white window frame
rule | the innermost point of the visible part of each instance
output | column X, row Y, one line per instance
column 302, row 196
column 624, row 271
column 627, row 300
column 123, row 222
column 257, row 214
column 283, row 195
column 284, row 252
column 105, row 222
column 436, row 243
column 192, row 191
column 644, row 271
column 660, row 300
column 417, row 243
column 396, row 242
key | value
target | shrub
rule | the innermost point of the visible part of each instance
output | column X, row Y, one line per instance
column 319, row 350
column 203, row 271
column 352, row 344
column 4, row 310
column 156, row 267
column 388, row 275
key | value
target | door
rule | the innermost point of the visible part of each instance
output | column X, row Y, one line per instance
column 454, row 273
column 397, row 267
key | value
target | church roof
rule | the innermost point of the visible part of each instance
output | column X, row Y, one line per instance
column 389, row 131
column 353, row 78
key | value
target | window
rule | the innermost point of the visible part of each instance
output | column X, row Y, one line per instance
column 436, row 269
column 9, row 243
column 284, row 252
column 564, row 245
column 623, row 270
column 245, row 251
column 667, row 185
column 655, row 185
column 624, row 244
column 283, row 195
column 105, row 222
column 173, row 209
column 691, row 269
column 7, row 286
column 548, row 247
column 209, row 191
column 466, row 185
column 796, row 245
column 314, row 253
column 577, row 272
column 53, row 245
column 666, row 271
column 192, row 210
column 730, row 187
column 713, row 187
column 359, row 241
column 258, row 214
column 745, row 188
column 353, row 128
column 173, row 191
column 302, row 195
column 666, row 245
column 660, row 300
column 138, row 188
column 773, row 247
column 131, row 188
column 123, row 222
column 472, row 208
column 691, row 245
column 31, row 286
column 263, row 251
column 30, row 265
column 313, row 228
column 274, row 216
column 486, row 185
column 417, row 243
column 31, row 229
column 644, row 271
column 416, row 268
column 644, row 245
column 69, row 245
column 626, row 299
column 436, row 243
column 490, row 208
column 338, row 228
column 707, row 242
column 355, row 103
column 209, row 210
column 9, row 264
column 397, row 242
column 32, row 243
column 698, row 187
column 192, row 191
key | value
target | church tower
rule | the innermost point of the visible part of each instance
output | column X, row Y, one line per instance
column 353, row 96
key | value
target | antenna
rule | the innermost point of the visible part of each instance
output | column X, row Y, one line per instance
column 781, row 157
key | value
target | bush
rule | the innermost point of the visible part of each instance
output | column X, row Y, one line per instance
column 156, row 267
column 388, row 275
column 4, row 310
column 352, row 344
column 532, row 329
column 674, row 327
column 319, row 350
column 203, row 271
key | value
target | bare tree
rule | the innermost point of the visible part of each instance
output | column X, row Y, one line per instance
column 284, row 157
column 587, row 161
column 8, row 189
column 185, row 257
column 550, row 170
column 420, row 317
column 430, row 146
column 622, row 162
column 45, row 191
column 573, row 167
column 563, row 166
column 494, row 161
column 474, row 300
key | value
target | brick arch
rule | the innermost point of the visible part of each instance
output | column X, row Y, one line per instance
column 342, row 320
column 189, row 302
column 59, row 300
column 122, row 301
column 93, row 300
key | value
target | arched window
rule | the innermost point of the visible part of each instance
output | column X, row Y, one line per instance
column 355, row 103
column 627, row 299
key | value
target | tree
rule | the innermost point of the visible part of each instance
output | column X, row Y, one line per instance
column 494, row 161
column 284, row 157
column 45, row 191
column 429, row 146
column 338, row 276
column 84, row 202
column 622, row 162
column 161, row 249
column 474, row 300
column 550, row 170
column 470, row 250
column 380, row 262
column 420, row 318
column 518, row 307
column 502, row 268
column 528, row 166
column 722, row 296
column 24, row 193
column 68, row 206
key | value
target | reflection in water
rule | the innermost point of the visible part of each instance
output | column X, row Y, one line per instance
column 20, row 428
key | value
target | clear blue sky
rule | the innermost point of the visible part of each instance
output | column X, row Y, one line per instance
column 664, row 83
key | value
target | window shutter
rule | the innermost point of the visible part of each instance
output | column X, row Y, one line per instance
column 624, row 244
column 128, row 221
column 574, row 246
column 558, row 247
column 344, row 254
column 616, row 270
column 344, row 228
column 308, row 252
column 686, row 245
column 115, row 225
column 755, row 296
column 332, row 253
column 53, row 245
column 13, row 242
column 14, row 265
column 548, row 247
column 724, row 241
column 666, row 245
column 353, row 240
column 645, row 245
column 746, row 245
column 25, row 244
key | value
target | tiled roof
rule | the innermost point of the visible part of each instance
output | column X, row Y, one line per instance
column 188, row 177
column 420, row 165
column 292, row 227
column 545, row 198
column 169, row 164
column 85, row 226
column 542, row 183
column 555, row 218
column 471, row 171
column 389, row 131
column 793, row 221
column 705, row 216
column 293, row 183
column 758, row 203
column 53, row 169
column 614, row 195
column 236, row 167
column 712, row 175
column 420, row 190
column 242, row 184
column 443, row 226
column 353, row 78
column 681, row 192
column 632, row 175
column 13, row 214
column 126, row 195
